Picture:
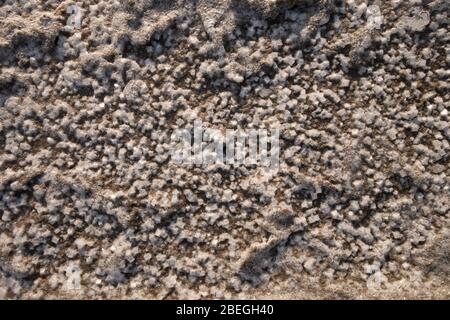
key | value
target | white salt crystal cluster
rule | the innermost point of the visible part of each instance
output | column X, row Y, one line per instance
column 92, row 205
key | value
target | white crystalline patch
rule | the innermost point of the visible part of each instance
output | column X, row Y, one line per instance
column 76, row 16
column 375, row 281
column 374, row 17
column 417, row 22
column 73, row 277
